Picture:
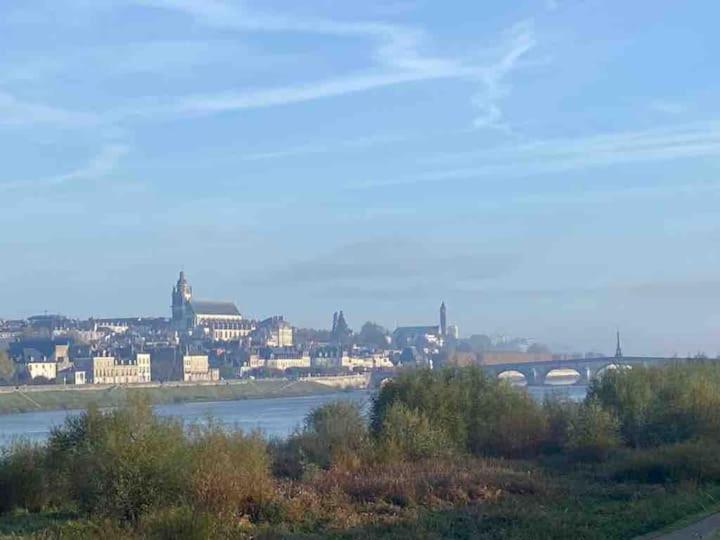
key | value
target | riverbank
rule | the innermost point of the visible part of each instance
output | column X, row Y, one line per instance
column 46, row 398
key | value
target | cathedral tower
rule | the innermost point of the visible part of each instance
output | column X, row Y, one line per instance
column 181, row 296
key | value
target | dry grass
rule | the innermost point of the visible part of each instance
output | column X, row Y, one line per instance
column 386, row 493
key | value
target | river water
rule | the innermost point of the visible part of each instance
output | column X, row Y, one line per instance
column 274, row 416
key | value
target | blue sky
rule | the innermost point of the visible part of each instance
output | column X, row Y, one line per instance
column 549, row 168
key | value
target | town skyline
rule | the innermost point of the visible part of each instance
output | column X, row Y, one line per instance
column 547, row 168
column 422, row 319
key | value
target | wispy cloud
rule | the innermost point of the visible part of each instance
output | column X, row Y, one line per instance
column 100, row 166
column 16, row 112
column 495, row 86
column 552, row 5
column 668, row 107
column 564, row 154
column 353, row 144
column 398, row 53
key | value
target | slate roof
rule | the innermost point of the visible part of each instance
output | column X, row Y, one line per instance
column 417, row 330
column 203, row 307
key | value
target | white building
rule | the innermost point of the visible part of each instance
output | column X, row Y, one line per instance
column 48, row 370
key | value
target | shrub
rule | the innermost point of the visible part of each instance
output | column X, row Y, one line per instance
column 592, row 433
column 657, row 406
column 559, row 414
column 480, row 414
column 506, row 422
column 23, row 478
column 120, row 463
column 333, row 434
column 694, row 461
column 230, row 473
column 408, row 434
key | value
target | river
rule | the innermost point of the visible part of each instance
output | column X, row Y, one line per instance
column 274, row 416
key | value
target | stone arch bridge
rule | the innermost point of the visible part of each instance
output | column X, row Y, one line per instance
column 535, row 373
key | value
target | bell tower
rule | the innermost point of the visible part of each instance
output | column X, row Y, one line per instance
column 181, row 296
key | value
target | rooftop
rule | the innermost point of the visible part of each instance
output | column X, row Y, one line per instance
column 204, row 307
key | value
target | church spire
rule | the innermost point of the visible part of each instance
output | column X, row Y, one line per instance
column 443, row 320
column 618, row 349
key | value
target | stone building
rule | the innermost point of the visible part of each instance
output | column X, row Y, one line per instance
column 273, row 332
column 196, row 368
column 111, row 370
column 280, row 358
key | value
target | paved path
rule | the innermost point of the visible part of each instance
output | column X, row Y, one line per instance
column 703, row 529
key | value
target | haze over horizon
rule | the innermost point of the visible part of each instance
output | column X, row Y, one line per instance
column 548, row 168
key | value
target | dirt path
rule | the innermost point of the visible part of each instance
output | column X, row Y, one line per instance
column 702, row 529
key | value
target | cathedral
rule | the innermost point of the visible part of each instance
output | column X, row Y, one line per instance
column 219, row 320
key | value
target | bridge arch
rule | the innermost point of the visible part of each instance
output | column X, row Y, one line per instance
column 562, row 377
column 514, row 377
column 611, row 367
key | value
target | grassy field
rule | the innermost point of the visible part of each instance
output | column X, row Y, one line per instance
column 72, row 398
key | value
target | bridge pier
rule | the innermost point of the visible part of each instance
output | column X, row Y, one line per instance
column 533, row 377
column 586, row 375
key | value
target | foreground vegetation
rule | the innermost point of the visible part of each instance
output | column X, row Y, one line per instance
column 444, row 454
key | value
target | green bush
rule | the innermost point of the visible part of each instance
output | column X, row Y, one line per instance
column 23, row 477
column 694, row 461
column 559, row 414
column 230, row 473
column 120, row 463
column 480, row 414
column 334, row 434
column 591, row 433
column 662, row 405
column 408, row 434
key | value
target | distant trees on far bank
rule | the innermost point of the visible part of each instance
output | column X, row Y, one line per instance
column 371, row 334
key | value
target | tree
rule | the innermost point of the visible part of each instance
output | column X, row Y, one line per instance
column 538, row 348
column 7, row 368
column 308, row 336
column 341, row 332
column 479, row 342
column 373, row 335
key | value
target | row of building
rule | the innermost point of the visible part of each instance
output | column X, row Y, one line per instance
column 201, row 341
column 108, row 369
